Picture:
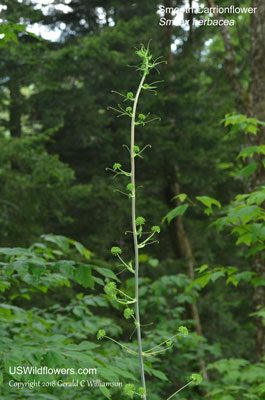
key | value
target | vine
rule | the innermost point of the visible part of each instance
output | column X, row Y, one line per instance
column 146, row 65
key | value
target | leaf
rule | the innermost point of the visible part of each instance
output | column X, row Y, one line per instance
column 53, row 358
column 182, row 197
column 159, row 374
column 107, row 273
column 108, row 374
column 60, row 241
column 203, row 268
column 208, row 201
column 105, row 391
column 180, row 210
column 82, row 250
column 246, row 239
column 124, row 373
column 247, row 171
column 79, row 356
column 83, row 276
column 154, row 262
column 251, row 129
column 218, row 274
column 128, row 313
column 248, row 152
column 16, row 251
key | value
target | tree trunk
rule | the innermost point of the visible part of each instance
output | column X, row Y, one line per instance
column 181, row 240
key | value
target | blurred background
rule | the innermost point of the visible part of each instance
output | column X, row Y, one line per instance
column 59, row 64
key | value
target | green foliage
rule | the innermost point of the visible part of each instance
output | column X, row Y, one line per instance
column 179, row 210
column 242, row 122
column 239, row 379
column 65, row 87
column 208, row 202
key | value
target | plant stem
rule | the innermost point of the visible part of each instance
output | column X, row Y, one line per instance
column 183, row 387
column 135, row 240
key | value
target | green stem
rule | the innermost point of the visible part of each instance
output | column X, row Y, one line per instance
column 135, row 240
column 158, row 345
column 124, row 263
column 122, row 345
column 183, row 387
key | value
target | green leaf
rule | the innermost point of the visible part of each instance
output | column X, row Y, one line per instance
column 81, row 249
column 182, row 197
column 154, row 262
column 251, row 129
column 248, row 151
column 128, row 313
column 105, row 391
column 53, row 358
column 108, row 374
column 79, row 356
column 124, row 373
column 107, row 273
column 16, row 251
column 130, row 187
column 61, row 241
column 203, row 268
column 246, row 239
column 155, row 229
column 180, row 210
column 215, row 275
column 208, row 201
column 159, row 374
column 83, row 276
column 247, row 171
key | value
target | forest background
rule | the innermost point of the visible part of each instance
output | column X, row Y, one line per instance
column 57, row 139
